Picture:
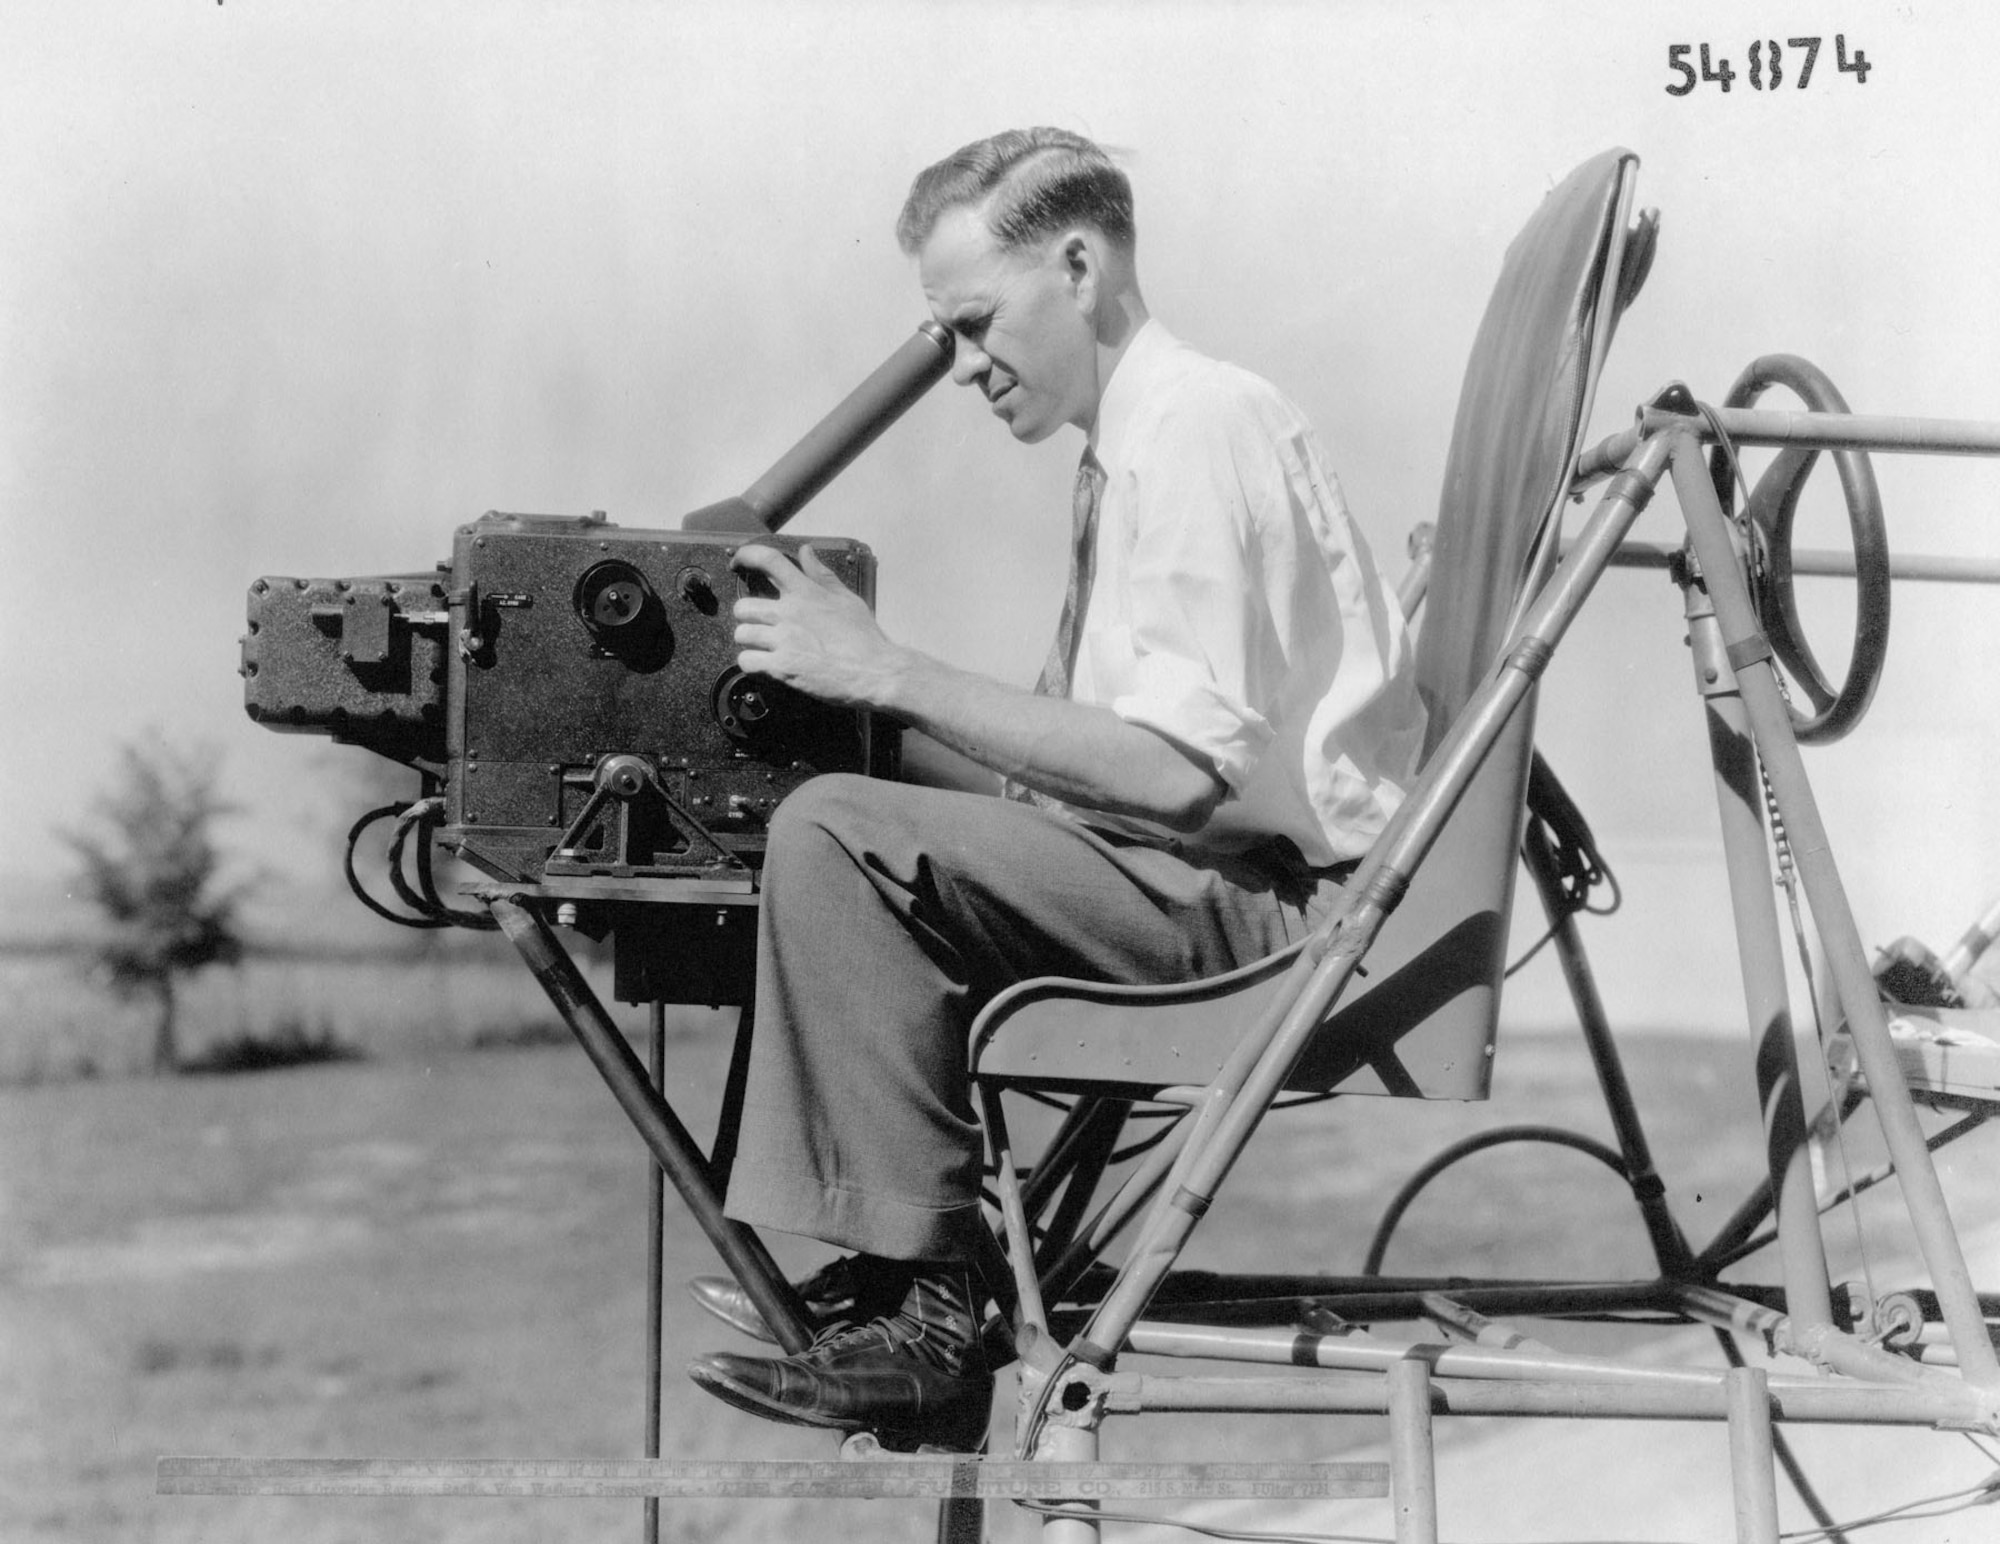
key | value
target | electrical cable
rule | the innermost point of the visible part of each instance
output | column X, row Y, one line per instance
column 1555, row 822
column 1092, row 1514
column 1535, row 948
column 427, row 813
column 398, row 881
column 1210, row 1530
column 361, row 894
column 1148, row 1143
column 1531, row 951
column 426, row 908
column 1985, row 1493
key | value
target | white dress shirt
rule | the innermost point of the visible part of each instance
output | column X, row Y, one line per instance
column 1237, row 611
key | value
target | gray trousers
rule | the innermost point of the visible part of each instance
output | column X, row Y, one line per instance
column 891, row 914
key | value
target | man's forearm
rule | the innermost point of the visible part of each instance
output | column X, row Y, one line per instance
column 1072, row 751
column 816, row 635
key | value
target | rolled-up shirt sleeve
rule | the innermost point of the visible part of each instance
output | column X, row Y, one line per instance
column 1192, row 612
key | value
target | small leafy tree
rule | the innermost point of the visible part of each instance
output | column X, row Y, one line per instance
column 149, row 863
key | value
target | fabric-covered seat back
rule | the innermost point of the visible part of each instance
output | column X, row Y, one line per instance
column 1427, row 1016
column 1422, row 1021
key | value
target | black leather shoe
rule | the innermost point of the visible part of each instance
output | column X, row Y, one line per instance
column 917, row 1377
column 840, row 1292
column 854, row 1382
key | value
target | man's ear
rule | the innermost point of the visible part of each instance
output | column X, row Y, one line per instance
column 1083, row 267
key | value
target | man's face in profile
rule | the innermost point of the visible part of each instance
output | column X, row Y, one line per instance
column 1022, row 333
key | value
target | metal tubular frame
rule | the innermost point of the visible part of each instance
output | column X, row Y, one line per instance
column 1751, row 740
column 1068, row 1390
column 1846, row 956
column 1935, row 1403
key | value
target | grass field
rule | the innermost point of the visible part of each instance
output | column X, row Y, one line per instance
column 438, row 1252
column 58, row 1025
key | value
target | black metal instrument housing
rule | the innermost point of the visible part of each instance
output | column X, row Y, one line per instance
column 545, row 646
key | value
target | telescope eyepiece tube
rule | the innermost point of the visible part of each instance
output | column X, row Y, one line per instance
column 826, row 449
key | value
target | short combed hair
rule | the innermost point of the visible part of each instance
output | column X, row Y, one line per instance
column 1040, row 181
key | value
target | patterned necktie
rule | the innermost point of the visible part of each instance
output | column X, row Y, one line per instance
column 1054, row 680
column 1060, row 666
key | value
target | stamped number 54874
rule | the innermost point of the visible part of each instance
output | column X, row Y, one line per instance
column 1768, row 64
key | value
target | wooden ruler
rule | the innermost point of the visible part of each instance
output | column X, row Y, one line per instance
column 940, row 1477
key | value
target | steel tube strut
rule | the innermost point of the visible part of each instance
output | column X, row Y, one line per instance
column 1029, row 1313
column 1113, row 1216
column 658, row 1127
column 1257, row 1306
column 1361, row 1352
column 1649, row 1191
column 1379, row 884
column 656, row 1195
column 1846, row 957
column 1058, row 1155
column 1844, row 431
column 1087, row 1160
column 1412, row 1459
column 1945, row 1402
column 1070, row 1444
column 1761, row 960
column 826, row 448
column 1752, row 1464
column 1829, row 431
column 1822, row 564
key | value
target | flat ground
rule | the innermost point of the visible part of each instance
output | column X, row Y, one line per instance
column 441, row 1255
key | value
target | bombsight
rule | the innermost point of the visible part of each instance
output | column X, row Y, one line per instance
column 567, row 688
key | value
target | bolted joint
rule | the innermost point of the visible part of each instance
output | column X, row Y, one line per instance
column 1076, row 1402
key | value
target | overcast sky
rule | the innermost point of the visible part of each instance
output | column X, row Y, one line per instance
column 293, row 288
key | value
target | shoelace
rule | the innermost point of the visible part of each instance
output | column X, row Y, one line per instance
column 900, row 1332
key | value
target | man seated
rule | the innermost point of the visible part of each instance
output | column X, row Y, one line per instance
column 1225, row 722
